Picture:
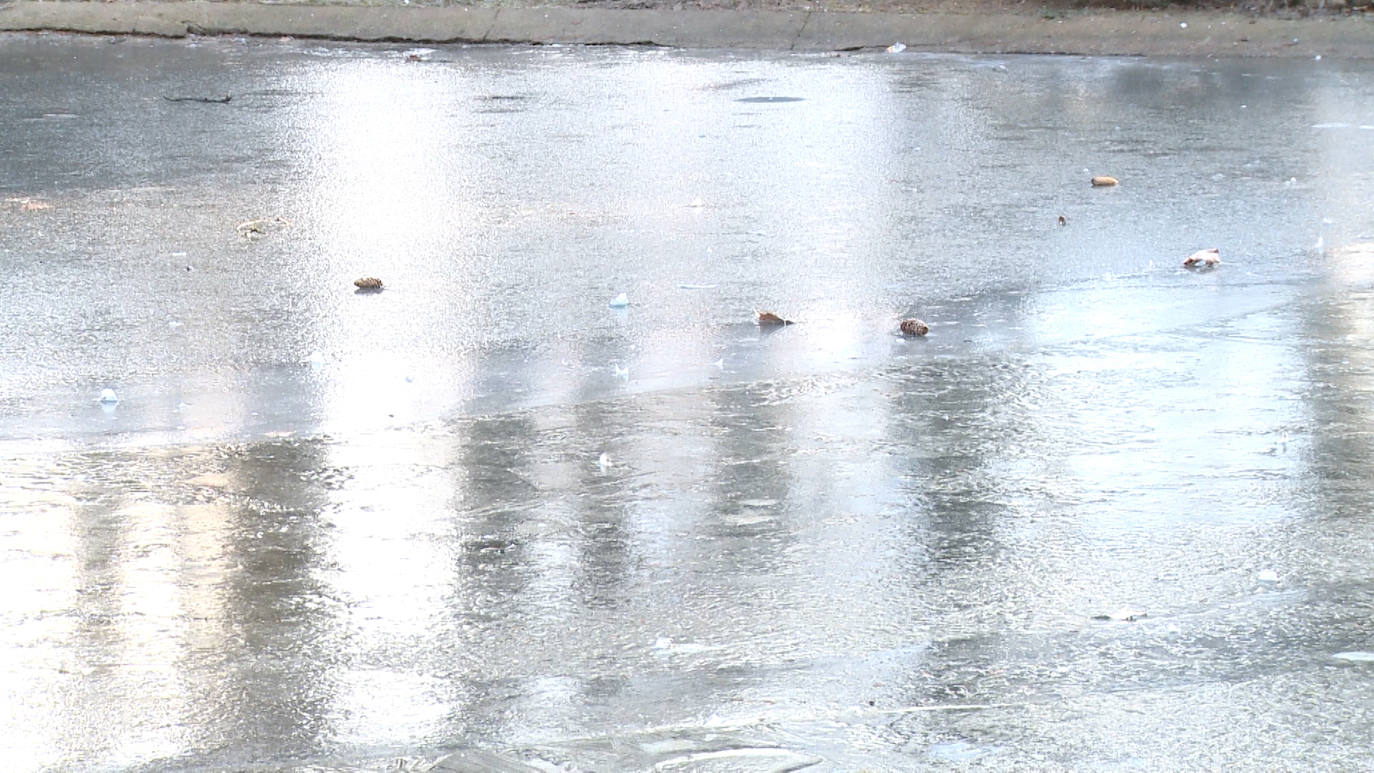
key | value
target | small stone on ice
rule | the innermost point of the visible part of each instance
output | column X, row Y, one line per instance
column 108, row 396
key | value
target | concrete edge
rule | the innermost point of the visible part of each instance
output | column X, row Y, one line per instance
column 1103, row 33
column 1114, row 33
column 679, row 29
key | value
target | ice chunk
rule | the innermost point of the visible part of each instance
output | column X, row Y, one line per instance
column 1355, row 656
column 620, row 301
column 315, row 358
column 1267, row 576
column 603, row 461
column 108, row 396
column 896, row 48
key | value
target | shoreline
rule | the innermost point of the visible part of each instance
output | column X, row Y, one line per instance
column 1098, row 32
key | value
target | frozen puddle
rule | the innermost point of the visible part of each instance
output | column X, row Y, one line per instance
column 956, row 751
column 771, row 759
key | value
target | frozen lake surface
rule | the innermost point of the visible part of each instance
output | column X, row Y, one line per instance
column 1110, row 514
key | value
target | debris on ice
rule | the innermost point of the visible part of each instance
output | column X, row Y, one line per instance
column 1123, row 615
column 1208, row 258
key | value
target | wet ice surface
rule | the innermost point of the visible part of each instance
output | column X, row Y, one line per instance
column 1110, row 513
